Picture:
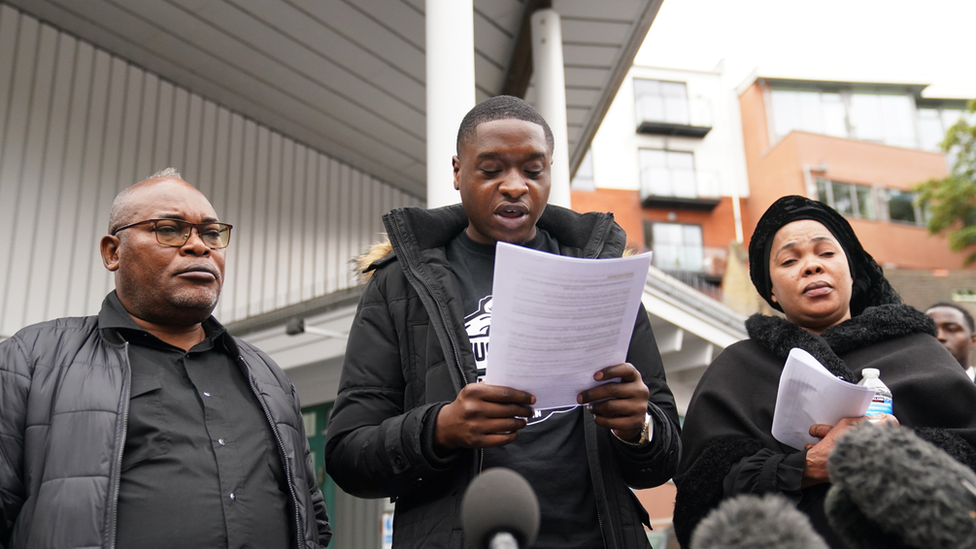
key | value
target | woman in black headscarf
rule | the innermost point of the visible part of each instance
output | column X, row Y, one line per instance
column 806, row 262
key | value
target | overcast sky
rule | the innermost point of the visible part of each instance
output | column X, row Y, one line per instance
column 884, row 40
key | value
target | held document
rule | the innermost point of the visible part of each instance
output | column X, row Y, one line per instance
column 557, row 320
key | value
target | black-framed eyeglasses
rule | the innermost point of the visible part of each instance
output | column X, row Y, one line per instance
column 176, row 232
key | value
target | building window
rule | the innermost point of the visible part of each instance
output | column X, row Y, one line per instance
column 583, row 180
column 871, row 203
column 849, row 200
column 903, row 207
column 934, row 122
column 676, row 247
column 809, row 111
column 667, row 173
column 888, row 118
column 884, row 119
column 660, row 101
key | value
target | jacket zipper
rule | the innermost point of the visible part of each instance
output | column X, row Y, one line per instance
column 300, row 540
column 599, row 520
column 450, row 334
column 596, row 254
column 117, row 480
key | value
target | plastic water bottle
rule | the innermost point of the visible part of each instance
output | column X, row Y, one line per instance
column 881, row 403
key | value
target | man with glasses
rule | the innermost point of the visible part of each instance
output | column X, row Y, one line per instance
column 148, row 425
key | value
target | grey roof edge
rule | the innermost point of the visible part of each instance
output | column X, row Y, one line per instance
column 617, row 76
column 339, row 299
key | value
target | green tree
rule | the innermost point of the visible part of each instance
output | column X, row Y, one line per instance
column 952, row 200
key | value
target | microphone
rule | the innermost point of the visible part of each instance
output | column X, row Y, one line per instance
column 892, row 489
column 753, row 522
column 500, row 511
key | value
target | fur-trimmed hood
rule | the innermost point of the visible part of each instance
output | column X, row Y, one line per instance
column 876, row 324
column 375, row 253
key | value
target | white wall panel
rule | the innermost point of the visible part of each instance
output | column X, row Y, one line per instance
column 78, row 125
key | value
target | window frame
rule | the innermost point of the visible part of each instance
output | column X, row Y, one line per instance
column 642, row 117
column 649, row 244
column 880, row 198
column 646, row 189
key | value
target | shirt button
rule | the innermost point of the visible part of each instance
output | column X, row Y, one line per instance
column 232, row 496
column 206, row 394
column 221, row 442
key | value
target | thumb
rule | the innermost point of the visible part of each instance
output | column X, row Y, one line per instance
column 819, row 430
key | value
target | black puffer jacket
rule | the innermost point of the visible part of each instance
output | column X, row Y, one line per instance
column 64, row 387
column 408, row 355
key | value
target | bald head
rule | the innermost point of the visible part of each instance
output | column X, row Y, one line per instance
column 122, row 205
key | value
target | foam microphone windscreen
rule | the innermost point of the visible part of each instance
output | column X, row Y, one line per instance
column 499, row 500
column 753, row 522
column 892, row 489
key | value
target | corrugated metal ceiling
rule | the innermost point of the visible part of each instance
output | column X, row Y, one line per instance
column 347, row 76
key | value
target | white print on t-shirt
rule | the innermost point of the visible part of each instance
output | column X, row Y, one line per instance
column 478, row 327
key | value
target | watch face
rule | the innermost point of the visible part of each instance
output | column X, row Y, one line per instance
column 648, row 425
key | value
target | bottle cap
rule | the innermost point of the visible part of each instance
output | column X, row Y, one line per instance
column 870, row 372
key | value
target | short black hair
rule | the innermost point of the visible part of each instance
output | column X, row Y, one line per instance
column 501, row 107
column 965, row 314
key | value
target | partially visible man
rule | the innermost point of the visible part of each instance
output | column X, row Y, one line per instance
column 148, row 425
column 411, row 420
column 956, row 332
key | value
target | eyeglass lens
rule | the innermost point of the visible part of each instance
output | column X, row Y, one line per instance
column 173, row 232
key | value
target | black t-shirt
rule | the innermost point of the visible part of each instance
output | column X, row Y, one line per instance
column 550, row 452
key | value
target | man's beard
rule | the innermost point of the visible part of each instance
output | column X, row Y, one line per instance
column 183, row 307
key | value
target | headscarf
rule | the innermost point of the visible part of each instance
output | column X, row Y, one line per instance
column 871, row 288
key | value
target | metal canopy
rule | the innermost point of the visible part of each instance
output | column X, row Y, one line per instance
column 347, row 76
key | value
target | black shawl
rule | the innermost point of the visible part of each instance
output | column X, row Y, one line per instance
column 728, row 447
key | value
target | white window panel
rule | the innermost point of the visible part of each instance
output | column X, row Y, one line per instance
column 660, row 101
column 676, row 247
column 667, row 173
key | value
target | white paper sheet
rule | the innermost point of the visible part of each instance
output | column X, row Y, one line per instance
column 809, row 394
column 557, row 320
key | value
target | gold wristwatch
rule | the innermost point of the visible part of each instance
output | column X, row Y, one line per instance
column 647, row 432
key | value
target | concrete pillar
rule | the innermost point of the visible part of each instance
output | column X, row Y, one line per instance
column 450, row 90
column 550, row 83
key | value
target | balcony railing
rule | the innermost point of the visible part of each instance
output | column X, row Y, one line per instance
column 699, row 281
column 680, row 188
column 670, row 116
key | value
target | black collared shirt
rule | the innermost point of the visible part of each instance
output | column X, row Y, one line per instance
column 200, row 466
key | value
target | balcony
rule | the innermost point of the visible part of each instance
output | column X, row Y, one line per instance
column 680, row 189
column 674, row 117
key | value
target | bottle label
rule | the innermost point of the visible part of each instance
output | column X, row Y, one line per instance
column 880, row 404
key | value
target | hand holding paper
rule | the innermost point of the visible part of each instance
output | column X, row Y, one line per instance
column 558, row 320
column 482, row 416
column 619, row 406
column 808, row 395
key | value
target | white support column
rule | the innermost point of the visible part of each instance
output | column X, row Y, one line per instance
column 450, row 90
column 550, row 83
